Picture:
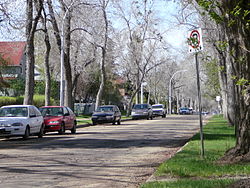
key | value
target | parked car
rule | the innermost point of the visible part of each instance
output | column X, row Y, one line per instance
column 140, row 111
column 58, row 118
column 21, row 120
column 184, row 110
column 106, row 114
column 158, row 110
column 191, row 111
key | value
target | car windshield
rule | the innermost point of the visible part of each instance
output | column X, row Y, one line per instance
column 14, row 112
column 105, row 109
column 140, row 106
column 157, row 106
column 184, row 108
column 52, row 111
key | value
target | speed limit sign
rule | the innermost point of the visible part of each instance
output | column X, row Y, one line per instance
column 195, row 40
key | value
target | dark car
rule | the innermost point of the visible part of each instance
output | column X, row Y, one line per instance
column 140, row 111
column 58, row 118
column 106, row 114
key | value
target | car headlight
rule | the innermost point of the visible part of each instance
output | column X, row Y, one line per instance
column 16, row 124
column 6, row 125
column 133, row 113
column 109, row 116
column 145, row 112
column 54, row 122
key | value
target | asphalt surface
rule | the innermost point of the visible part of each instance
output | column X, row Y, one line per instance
column 96, row 156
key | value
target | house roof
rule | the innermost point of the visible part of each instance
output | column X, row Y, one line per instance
column 12, row 52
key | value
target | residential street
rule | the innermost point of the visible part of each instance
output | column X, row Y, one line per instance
column 96, row 156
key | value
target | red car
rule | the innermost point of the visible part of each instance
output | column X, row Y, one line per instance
column 58, row 118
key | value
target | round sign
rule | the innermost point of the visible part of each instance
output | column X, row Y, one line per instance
column 194, row 39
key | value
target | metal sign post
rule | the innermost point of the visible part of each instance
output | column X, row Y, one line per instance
column 199, row 103
column 195, row 45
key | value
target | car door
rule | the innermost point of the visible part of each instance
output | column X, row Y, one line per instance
column 39, row 119
column 117, row 113
column 66, row 117
column 32, row 120
column 71, row 117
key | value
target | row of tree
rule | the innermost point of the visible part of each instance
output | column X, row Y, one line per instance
column 227, row 26
column 97, row 42
column 100, row 41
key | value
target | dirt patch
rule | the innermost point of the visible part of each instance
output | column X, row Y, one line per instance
column 240, row 184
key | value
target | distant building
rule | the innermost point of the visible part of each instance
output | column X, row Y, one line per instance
column 12, row 60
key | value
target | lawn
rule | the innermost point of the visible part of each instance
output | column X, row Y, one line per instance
column 191, row 169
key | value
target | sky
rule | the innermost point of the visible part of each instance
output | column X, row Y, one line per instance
column 165, row 10
column 176, row 35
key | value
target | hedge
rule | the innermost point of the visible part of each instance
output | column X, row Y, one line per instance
column 39, row 100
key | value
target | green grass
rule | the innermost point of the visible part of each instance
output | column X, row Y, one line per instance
column 83, row 116
column 82, row 122
column 190, row 184
column 218, row 137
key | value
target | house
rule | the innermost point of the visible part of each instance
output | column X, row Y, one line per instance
column 12, row 60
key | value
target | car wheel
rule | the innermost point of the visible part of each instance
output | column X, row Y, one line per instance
column 41, row 132
column 73, row 130
column 94, row 123
column 62, row 129
column 27, row 133
column 119, row 122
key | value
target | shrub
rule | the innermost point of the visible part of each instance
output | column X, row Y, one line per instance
column 39, row 100
column 8, row 101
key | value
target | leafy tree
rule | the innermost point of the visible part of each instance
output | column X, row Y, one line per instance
column 233, row 21
column 18, row 85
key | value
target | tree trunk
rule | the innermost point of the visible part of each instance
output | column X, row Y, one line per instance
column 103, row 48
column 68, row 74
column 221, row 54
column 31, row 24
column 46, row 63
column 238, row 35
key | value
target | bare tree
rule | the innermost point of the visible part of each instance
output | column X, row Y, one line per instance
column 104, row 4
column 46, row 60
column 33, row 13
column 143, row 41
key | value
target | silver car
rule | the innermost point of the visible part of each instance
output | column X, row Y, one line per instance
column 140, row 111
column 158, row 110
column 20, row 120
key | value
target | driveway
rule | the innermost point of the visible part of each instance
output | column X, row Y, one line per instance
column 96, row 156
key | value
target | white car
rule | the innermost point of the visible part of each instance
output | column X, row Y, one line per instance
column 158, row 110
column 21, row 120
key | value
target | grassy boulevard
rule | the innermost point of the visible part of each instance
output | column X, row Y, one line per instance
column 187, row 170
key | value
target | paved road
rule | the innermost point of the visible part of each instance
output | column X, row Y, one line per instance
column 96, row 156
